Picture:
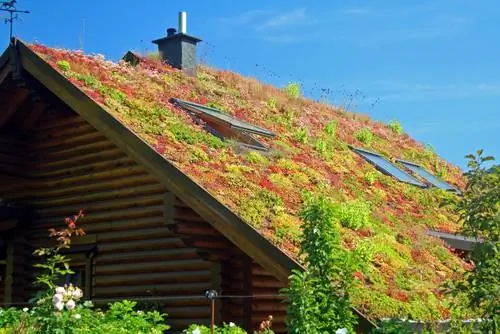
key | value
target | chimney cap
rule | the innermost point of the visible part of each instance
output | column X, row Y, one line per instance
column 171, row 32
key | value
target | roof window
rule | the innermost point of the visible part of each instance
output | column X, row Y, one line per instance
column 223, row 125
column 423, row 173
column 386, row 167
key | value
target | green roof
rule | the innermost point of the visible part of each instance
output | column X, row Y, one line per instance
column 309, row 153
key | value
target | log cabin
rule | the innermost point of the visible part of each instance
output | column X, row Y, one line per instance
column 170, row 183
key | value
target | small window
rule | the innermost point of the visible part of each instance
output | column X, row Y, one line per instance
column 224, row 126
column 386, row 167
column 419, row 170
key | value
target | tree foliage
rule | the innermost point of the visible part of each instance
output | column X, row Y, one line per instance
column 319, row 296
column 479, row 213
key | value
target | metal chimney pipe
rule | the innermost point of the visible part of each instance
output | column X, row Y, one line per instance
column 182, row 22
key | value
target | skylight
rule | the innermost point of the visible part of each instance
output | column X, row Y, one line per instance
column 419, row 170
column 224, row 126
column 388, row 168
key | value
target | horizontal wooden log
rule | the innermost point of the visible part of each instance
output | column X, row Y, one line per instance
column 117, row 182
column 108, row 194
column 90, row 217
column 81, row 169
column 266, row 282
column 150, row 267
column 165, row 243
column 78, row 160
column 154, row 278
column 69, row 140
column 151, row 289
column 66, row 153
column 147, row 255
column 140, row 234
column 187, row 312
column 268, row 306
column 95, row 207
column 195, row 228
column 59, row 122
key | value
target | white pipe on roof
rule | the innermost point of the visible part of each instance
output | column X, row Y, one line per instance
column 182, row 22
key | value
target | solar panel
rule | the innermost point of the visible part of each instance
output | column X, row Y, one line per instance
column 419, row 170
column 387, row 167
column 218, row 115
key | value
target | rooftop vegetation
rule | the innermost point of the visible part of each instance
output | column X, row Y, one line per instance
column 381, row 218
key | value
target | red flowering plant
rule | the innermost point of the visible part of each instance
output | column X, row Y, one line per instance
column 56, row 265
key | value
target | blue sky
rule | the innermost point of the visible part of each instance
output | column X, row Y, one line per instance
column 432, row 65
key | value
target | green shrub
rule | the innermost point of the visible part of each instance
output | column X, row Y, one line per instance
column 355, row 214
column 364, row 135
column 319, row 298
column 396, row 127
column 293, row 90
column 63, row 65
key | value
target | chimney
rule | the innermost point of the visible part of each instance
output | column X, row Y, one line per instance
column 179, row 48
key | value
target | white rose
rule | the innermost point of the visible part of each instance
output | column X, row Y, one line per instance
column 77, row 316
column 60, row 290
column 70, row 304
column 59, row 306
column 196, row 331
column 77, row 293
column 57, row 298
column 26, row 309
column 231, row 324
